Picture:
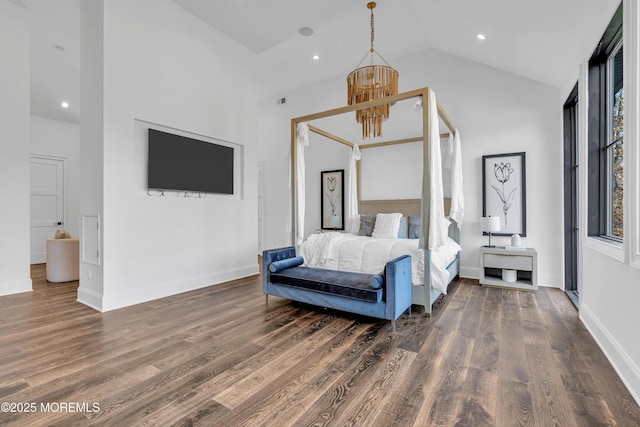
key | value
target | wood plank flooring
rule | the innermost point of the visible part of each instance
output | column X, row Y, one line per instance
column 220, row 357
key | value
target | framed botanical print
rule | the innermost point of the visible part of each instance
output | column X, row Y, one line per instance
column 504, row 192
column 332, row 202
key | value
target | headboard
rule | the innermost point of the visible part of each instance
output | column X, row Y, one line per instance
column 405, row 206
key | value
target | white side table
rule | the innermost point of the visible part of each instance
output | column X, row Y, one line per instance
column 63, row 260
column 523, row 261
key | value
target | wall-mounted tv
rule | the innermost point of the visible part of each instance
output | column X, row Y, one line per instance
column 180, row 163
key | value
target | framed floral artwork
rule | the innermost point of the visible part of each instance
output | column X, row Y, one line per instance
column 332, row 201
column 504, row 192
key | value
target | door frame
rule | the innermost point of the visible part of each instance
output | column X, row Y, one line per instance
column 571, row 166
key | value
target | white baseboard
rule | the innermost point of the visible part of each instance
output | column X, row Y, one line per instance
column 112, row 302
column 470, row 272
column 550, row 281
column 628, row 371
column 10, row 287
column 90, row 298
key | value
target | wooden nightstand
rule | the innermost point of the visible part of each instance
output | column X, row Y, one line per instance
column 523, row 261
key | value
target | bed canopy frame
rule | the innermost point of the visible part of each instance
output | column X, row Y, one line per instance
column 429, row 295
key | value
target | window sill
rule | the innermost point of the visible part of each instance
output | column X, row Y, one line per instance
column 607, row 247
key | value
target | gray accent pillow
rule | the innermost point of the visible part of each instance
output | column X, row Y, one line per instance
column 415, row 226
column 403, row 231
column 367, row 222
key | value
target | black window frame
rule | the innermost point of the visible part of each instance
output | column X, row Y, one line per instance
column 598, row 130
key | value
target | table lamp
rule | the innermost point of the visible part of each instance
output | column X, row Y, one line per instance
column 489, row 224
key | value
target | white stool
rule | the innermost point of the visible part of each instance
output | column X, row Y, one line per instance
column 63, row 260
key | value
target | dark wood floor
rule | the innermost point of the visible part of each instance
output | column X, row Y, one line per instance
column 220, row 356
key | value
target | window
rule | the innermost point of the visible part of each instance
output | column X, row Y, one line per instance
column 606, row 135
column 615, row 143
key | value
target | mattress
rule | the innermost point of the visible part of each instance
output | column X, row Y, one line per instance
column 362, row 254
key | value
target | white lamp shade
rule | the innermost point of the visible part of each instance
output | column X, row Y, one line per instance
column 490, row 224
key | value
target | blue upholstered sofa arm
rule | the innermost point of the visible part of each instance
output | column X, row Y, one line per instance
column 398, row 286
column 271, row 255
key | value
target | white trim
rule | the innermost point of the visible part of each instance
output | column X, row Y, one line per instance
column 611, row 249
column 627, row 370
column 175, row 287
column 470, row 272
column 83, row 239
column 551, row 280
column 631, row 38
column 90, row 298
column 49, row 156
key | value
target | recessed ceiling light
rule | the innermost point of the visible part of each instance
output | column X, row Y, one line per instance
column 316, row 57
column 305, row 31
column 481, row 36
column 65, row 104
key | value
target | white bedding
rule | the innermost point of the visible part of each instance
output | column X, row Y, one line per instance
column 349, row 252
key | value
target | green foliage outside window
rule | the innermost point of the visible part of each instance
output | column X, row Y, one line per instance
column 617, row 152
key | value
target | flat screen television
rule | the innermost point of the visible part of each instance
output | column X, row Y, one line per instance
column 180, row 163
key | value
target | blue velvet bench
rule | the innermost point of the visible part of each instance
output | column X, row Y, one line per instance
column 383, row 296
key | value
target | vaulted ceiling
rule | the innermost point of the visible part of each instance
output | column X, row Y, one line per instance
column 542, row 40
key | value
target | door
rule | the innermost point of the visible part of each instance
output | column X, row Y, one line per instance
column 570, row 124
column 47, row 203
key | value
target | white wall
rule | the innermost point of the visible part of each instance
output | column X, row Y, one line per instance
column 61, row 140
column 495, row 111
column 15, row 39
column 91, row 290
column 322, row 155
column 165, row 66
column 608, row 307
column 609, row 277
column 274, row 142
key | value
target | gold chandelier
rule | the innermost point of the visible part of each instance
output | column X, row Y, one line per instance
column 372, row 82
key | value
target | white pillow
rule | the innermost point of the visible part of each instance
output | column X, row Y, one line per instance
column 387, row 225
column 354, row 224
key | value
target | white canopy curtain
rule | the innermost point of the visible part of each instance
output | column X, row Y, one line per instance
column 352, row 193
column 302, row 133
column 452, row 160
column 457, row 200
column 435, row 234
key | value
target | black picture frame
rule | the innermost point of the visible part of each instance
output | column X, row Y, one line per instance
column 332, row 200
column 504, row 192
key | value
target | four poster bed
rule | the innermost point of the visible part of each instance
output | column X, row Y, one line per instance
column 434, row 250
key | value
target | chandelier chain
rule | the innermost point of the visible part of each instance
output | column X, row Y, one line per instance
column 372, row 31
